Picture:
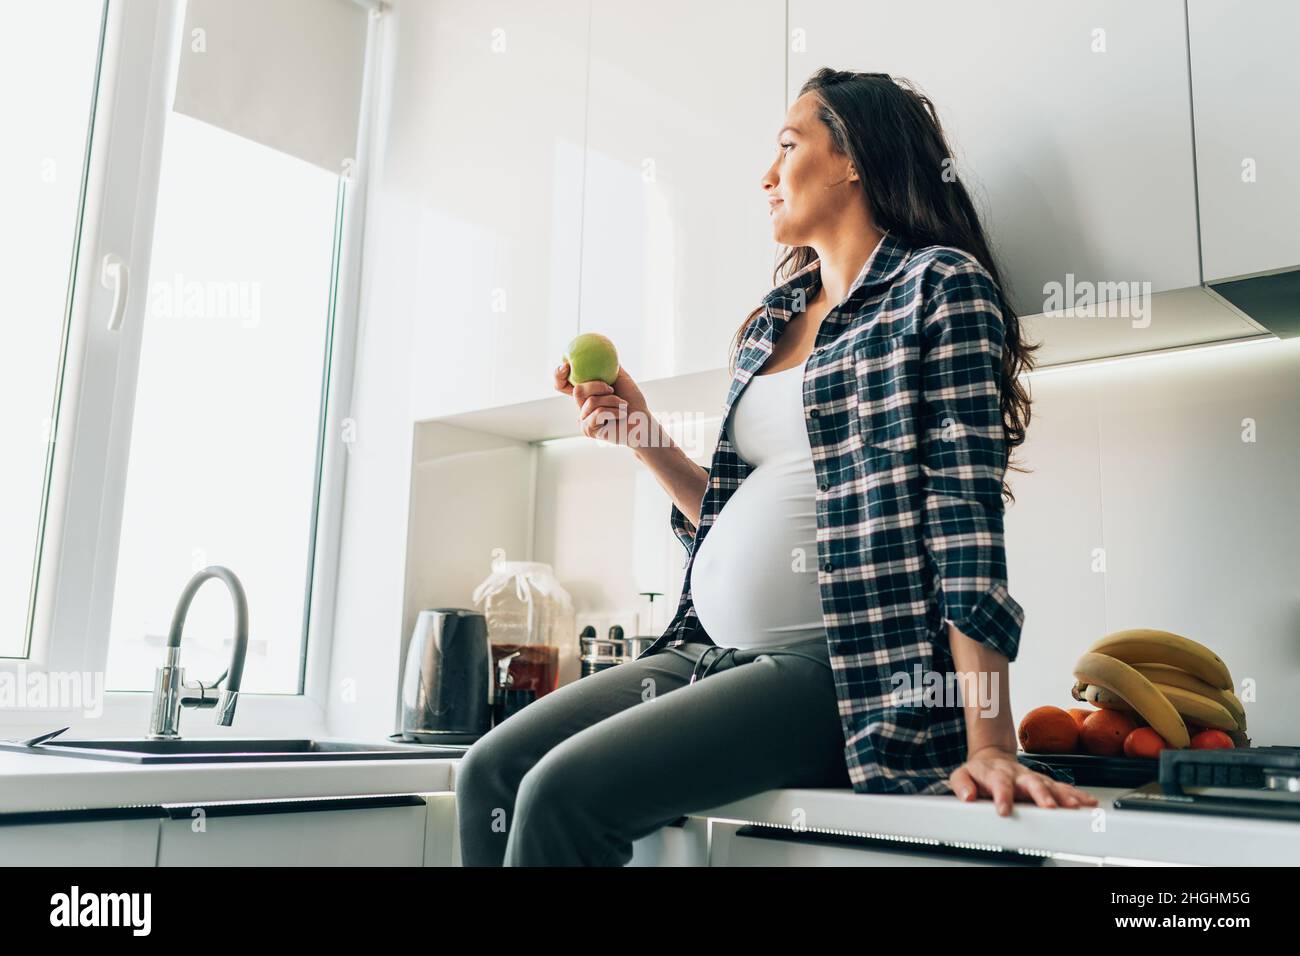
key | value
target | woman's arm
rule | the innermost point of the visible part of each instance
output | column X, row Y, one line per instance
column 684, row 480
column 963, row 463
column 988, row 709
column 963, row 457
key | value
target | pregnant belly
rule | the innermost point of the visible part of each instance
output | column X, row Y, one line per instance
column 754, row 576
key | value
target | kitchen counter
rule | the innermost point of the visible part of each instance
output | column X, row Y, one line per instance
column 39, row 782
column 44, row 782
column 1099, row 834
column 1110, row 836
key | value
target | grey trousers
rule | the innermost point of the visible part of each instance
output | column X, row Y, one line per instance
column 579, row 774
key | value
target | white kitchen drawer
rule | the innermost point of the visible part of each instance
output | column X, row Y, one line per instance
column 737, row 844
column 130, row 841
column 332, row 831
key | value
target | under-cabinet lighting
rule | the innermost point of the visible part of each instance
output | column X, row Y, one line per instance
column 1150, row 356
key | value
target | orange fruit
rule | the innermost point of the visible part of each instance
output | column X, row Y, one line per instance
column 1048, row 730
column 1144, row 742
column 1104, row 732
column 1080, row 714
column 1212, row 740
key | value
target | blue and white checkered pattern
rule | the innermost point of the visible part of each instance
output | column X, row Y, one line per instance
column 901, row 402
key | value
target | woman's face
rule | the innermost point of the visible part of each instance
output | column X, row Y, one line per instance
column 809, row 185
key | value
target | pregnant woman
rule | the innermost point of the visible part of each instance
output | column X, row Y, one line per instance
column 844, row 551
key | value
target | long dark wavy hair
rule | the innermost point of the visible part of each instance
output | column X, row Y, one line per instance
column 891, row 132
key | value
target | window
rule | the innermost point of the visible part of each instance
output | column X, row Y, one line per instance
column 53, row 48
column 227, row 417
column 193, row 427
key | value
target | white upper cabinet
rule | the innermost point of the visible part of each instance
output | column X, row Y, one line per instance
column 482, row 163
column 685, row 102
column 1071, row 124
column 1246, row 95
column 590, row 165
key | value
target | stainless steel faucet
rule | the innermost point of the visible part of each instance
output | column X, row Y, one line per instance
column 170, row 692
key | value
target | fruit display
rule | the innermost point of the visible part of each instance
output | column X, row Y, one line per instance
column 1151, row 690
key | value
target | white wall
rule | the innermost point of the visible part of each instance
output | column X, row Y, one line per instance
column 603, row 526
column 1201, row 530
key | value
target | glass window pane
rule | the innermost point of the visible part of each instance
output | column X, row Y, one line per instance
column 223, row 459
column 49, row 53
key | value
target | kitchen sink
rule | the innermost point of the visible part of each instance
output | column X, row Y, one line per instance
column 232, row 750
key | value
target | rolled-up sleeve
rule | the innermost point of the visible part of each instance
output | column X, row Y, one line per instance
column 684, row 530
column 964, row 456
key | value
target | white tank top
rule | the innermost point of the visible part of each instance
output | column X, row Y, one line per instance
column 754, row 577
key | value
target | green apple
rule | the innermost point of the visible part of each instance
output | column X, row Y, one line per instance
column 591, row 356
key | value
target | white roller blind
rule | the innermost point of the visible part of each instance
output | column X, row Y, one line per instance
column 286, row 73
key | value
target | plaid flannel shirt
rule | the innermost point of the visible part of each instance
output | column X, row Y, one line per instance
column 901, row 403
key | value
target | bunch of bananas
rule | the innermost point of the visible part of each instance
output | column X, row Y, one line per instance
column 1168, row 680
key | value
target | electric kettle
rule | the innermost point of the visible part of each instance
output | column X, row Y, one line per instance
column 447, row 684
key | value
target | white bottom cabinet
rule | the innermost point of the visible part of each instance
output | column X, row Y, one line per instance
column 684, row 843
column 441, row 834
column 738, row 844
column 334, row 831
column 121, row 842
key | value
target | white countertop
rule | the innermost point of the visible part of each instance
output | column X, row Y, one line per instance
column 34, row 782
column 1099, row 833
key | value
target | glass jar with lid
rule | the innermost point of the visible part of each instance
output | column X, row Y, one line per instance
column 528, row 614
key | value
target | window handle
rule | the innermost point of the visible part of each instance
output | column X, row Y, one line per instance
column 114, row 274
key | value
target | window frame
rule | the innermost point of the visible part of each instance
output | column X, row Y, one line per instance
column 76, row 570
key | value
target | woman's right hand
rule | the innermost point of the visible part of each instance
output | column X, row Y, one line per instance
column 614, row 413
